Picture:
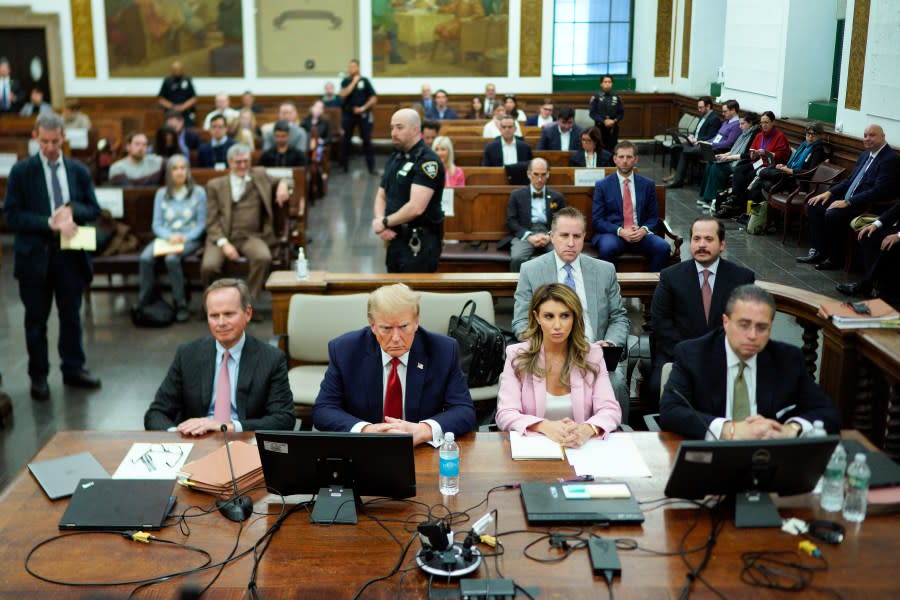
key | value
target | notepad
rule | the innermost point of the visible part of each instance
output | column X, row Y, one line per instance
column 85, row 238
column 163, row 247
column 534, row 447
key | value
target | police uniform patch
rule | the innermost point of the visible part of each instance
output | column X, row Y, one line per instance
column 430, row 168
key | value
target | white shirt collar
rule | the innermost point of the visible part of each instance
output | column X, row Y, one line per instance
column 712, row 268
column 234, row 351
column 387, row 358
column 732, row 359
column 560, row 263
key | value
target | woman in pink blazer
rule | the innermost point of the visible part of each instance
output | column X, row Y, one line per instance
column 554, row 382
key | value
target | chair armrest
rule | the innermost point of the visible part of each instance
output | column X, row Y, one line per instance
column 652, row 422
column 276, row 340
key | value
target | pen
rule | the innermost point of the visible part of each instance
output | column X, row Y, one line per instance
column 579, row 479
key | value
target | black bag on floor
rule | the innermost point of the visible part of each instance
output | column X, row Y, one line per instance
column 482, row 347
column 156, row 313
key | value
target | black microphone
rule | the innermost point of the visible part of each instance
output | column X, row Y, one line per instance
column 694, row 412
column 239, row 508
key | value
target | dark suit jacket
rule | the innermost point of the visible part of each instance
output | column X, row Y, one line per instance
column 518, row 211
column 881, row 181
column 606, row 209
column 578, row 160
column 700, row 374
column 432, row 113
column 27, row 210
column 263, row 396
column 291, row 158
column 550, row 138
column 891, row 217
column 16, row 90
column 677, row 307
column 493, row 153
column 352, row 390
column 207, row 156
column 710, row 127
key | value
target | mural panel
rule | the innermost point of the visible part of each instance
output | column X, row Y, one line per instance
column 145, row 36
column 314, row 38
column 450, row 38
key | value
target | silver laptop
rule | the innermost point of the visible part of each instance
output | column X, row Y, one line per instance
column 59, row 476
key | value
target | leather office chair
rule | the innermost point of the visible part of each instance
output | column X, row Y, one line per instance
column 652, row 420
column 809, row 183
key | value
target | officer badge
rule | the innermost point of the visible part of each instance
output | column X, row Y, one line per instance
column 430, row 168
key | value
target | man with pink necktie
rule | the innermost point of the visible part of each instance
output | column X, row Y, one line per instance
column 624, row 212
column 230, row 378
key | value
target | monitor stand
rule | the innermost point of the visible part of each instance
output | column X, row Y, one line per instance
column 755, row 509
column 334, row 505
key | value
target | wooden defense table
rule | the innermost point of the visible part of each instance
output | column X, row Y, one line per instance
column 307, row 561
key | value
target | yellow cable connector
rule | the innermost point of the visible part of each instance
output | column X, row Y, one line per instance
column 489, row 540
column 141, row 536
column 809, row 548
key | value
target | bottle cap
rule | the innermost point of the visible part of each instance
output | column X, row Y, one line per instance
column 818, row 424
column 449, row 437
column 860, row 457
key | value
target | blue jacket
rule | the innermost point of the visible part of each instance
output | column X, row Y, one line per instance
column 353, row 387
column 606, row 211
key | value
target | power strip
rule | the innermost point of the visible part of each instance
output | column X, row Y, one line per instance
column 483, row 589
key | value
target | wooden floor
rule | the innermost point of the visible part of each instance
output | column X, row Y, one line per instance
column 132, row 362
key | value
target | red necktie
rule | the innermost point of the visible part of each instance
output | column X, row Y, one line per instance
column 222, row 411
column 706, row 293
column 627, row 208
column 393, row 396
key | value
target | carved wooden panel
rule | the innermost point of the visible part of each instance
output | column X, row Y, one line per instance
column 83, row 38
column 663, row 39
column 530, row 38
column 857, row 64
column 686, row 38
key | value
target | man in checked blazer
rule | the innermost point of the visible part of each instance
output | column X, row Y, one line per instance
column 594, row 281
column 240, row 219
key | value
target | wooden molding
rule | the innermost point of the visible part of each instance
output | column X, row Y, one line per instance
column 530, row 38
column 857, row 64
column 663, row 57
column 686, row 39
column 22, row 16
column 83, row 38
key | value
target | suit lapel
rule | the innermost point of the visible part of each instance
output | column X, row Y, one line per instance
column 616, row 194
column 373, row 380
column 246, row 370
column 227, row 205
column 765, row 369
column 718, row 364
column 415, row 379
column 207, row 374
column 592, row 291
column 41, row 183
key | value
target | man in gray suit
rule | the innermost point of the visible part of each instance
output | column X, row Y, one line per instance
column 593, row 280
column 230, row 379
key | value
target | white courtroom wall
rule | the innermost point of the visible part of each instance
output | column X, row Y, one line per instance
column 881, row 84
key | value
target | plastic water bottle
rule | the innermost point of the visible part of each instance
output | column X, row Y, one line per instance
column 818, row 431
column 449, row 481
column 832, row 499
column 858, row 475
column 302, row 265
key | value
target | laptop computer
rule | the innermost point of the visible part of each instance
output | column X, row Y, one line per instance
column 119, row 504
column 548, row 503
column 885, row 472
column 59, row 476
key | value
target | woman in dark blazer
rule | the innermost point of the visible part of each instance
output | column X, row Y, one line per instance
column 592, row 153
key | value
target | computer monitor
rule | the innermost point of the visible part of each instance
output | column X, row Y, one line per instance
column 338, row 467
column 749, row 469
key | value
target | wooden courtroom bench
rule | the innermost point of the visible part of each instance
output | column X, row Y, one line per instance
column 497, row 176
column 479, row 223
column 472, row 158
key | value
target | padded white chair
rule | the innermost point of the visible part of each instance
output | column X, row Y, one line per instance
column 313, row 321
column 583, row 118
column 652, row 420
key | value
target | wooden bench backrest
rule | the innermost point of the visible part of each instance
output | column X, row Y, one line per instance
column 497, row 176
column 480, row 211
column 472, row 158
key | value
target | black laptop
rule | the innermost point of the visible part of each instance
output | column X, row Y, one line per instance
column 885, row 472
column 119, row 504
column 558, row 503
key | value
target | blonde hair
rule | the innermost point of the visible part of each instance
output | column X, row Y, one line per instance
column 577, row 347
column 392, row 300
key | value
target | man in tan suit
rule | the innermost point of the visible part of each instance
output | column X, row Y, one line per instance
column 240, row 219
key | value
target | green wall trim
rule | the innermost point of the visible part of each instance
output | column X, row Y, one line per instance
column 822, row 111
column 591, row 83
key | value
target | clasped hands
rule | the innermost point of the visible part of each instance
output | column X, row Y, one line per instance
column 63, row 222
column 421, row 432
column 758, row 427
column 538, row 240
column 566, row 432
column 201, row 426
column 385, row 233
column 633, row 235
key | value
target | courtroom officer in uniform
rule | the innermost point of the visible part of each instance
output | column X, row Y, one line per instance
column 607, row 110
column 408, row 212
column 358, row 97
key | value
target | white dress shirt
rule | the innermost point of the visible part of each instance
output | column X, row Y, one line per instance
column 510, row 153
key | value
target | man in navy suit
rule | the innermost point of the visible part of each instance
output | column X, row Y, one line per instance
column 564, row 135
column 690, row 298
column 881, row 258
column 529, row 214
column 706, row 129
column 215, row 151
column 507, row 149
column 394, row 376
column 439, row 109
column 627, row 225
column 45, row 204
column 735, row 384
column 875, row 178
